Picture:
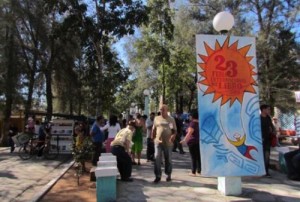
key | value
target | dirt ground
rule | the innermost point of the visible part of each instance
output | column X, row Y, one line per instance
column 66, row 188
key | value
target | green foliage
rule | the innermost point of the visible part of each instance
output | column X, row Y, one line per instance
column 277, row 50
column 152, row 55
column 107, row 73
column 65, row 54
column 281, row 78
column 84, row 152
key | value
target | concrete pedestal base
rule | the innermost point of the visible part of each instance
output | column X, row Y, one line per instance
column 106, row 173
column 106, row 189
column 230, row 186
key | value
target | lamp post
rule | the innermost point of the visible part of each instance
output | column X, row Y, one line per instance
column 146, row 94
column 222, row 23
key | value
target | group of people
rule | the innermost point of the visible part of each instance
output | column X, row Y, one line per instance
column 161, row 136
column 164, row 135
column 161, row 132
column 126, row 142
column 34, row 129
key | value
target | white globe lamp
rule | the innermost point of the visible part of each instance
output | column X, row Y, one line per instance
column 223, row 22
column 146, row 92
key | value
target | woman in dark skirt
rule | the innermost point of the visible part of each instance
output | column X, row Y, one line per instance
column 192, row 140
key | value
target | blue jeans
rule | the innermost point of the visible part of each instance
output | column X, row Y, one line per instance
column 167, row 151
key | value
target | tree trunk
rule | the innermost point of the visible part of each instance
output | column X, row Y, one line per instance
column 71, row 106
column 48, row 78
column 31, row 65
column 191, row 99
column 98, row 45
column 10, row 81
column 265, row 25
column 181, row 103
column 49, row 96
column 28, row 103
column 163, row 83
column 79, row 108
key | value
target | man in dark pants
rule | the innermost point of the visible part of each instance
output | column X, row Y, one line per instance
column 266, row 129
column 292, row 160
column 97, row 138
column 120, row 147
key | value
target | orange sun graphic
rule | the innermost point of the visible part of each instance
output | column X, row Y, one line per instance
column 227, row 72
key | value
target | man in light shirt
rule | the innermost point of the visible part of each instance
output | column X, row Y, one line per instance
column 120, row 147
column 163, row 133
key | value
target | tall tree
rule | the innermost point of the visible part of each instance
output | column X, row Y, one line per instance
column 153, row 48
column 9, row 62
column 31, row 33
column 115, row 18
column 274, row 18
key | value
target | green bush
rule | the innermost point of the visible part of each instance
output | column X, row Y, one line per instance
column 84, row 152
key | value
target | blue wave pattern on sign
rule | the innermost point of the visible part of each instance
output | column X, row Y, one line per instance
column 254, row 122
column 212, row 132
column 212, row 135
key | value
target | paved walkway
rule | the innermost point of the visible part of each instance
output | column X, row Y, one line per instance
column 24, row 180
column 187, row 188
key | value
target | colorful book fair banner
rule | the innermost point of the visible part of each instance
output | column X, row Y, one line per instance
column 228, row 103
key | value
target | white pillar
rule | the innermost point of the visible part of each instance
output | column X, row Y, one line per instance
column 147, row 105
column 230, row 185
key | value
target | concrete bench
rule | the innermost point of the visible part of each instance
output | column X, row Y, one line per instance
column 106, row 173
column 277, row 161
column 105, row 159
